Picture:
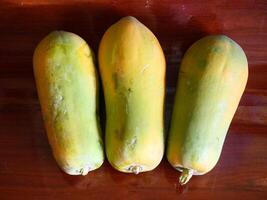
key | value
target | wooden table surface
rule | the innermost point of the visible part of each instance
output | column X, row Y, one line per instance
column 27, row 168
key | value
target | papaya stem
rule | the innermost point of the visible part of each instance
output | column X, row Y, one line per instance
column 84, row 171
column 136, row 169
column 185, row 176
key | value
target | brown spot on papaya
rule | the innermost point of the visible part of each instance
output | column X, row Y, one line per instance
column 130, row 90
column 115, row 80
column 119, row 134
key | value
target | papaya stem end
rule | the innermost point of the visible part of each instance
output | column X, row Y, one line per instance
column 84, row 171
column 136, row 169
column 186, row 176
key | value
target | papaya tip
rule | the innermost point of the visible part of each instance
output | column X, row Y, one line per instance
column 84, row 171
column 186, row 176
column 135, row 169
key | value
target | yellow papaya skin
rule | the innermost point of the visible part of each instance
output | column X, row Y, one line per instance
column 132, row 68
column 212, row 78
column 67, row 86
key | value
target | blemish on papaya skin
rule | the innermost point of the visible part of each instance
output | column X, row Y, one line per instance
column 126, row 108
column 57, row 101
column 144, row 68
column 115, row 80
column 202, row 63
column 216, row 50
column 130, row 90
column 132, row 143
column 119, row 134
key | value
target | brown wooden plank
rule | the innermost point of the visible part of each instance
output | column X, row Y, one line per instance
column 27, row 168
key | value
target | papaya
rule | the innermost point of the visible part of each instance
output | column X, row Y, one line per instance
column 132, row 69
column 67, row 86
column 212, row 78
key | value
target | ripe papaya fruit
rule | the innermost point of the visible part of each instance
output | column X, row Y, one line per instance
column 212, row 78
column 67, row 86
column 132, row 69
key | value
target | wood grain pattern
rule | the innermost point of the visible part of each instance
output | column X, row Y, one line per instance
column 27, row 168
